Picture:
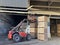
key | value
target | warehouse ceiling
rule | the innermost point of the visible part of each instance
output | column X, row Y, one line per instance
column 47, row 0
column 46, row 6
column 52, row 4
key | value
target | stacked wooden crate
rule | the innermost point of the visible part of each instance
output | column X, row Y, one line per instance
column 33, row 30
column 42, row 28
column 53, row 29
column 58, row 30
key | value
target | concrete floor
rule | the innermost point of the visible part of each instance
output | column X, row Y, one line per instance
column 53, row 41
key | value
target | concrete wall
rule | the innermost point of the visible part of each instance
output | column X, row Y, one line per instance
column 14, row 3
column 5, row 23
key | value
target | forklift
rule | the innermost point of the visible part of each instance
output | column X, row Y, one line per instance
column 17, row 33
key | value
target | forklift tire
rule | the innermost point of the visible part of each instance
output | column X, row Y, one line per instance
column 28, row 38
column 16, row 37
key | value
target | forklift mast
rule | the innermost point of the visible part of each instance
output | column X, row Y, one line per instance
column 19, row 25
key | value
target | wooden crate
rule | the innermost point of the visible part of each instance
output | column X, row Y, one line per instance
column 40, row 30
column 42, row 24
column 33, row 30
column 33, row 35
column 41, row 36
column 58, row 31
column 58, row 34
column 32, row 25
column 58, row 25
column 32, row 18
column 58, row 28
column 42, row 18
column 52, row 31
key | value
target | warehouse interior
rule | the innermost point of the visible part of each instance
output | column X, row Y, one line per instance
column 17, row 18
column 48, row 8
column 55, row 27
column 41, row 8
column 8, row 21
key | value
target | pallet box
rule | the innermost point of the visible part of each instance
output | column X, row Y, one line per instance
column 33, row 35
column 42, row 24
column 32, row 25
column 42, row 36
column 58, row 28
column 40, row 30
column 42, row 18
column 58, row 34
column 33, row 32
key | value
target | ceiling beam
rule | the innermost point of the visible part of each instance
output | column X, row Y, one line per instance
column 47, row 0
column 50, row 2
column 53, row 7
column 40, row 12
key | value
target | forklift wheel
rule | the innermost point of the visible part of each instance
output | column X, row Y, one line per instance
column 28, row 38
column 16, row 37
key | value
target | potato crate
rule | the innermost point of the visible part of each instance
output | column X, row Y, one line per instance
column 58, row 34
column 33, row 35
column 42, row 18
column 32, row 25
column 40, row 30
column 42, row 36
column 33, row 30
column 42, row 24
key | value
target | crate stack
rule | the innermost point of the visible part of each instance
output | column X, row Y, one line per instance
column 58, row 30
column 42, row 28
column 52, row 27
column 33, row 30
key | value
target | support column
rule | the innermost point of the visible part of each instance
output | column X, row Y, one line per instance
column 48, row 28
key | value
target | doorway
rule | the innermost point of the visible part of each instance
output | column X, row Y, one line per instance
column 55, row 27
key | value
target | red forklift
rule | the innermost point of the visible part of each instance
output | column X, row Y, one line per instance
column 17, row 33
